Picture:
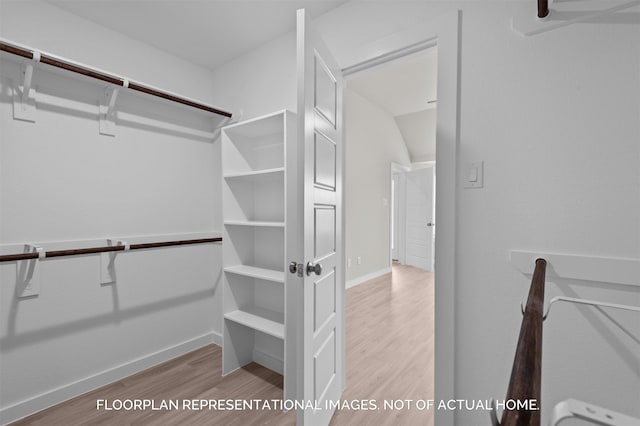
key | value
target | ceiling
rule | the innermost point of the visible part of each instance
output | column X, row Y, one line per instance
column 206, row 32
column 406, row 90
column 211, row 33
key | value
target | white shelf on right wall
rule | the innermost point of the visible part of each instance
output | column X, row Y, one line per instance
column 589, row 268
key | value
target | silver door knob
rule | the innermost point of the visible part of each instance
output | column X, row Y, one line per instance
column 295, row 268
column 431, row 224
column 317, row 268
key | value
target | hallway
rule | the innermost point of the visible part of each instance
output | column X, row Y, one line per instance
column 390, row 337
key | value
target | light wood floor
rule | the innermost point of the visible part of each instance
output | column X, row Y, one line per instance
column 389, row 357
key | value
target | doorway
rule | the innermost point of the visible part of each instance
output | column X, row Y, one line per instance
column 388, row 205
column 391, row 149
column 445, row 29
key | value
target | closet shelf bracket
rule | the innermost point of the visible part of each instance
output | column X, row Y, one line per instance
column 28, row 273
column 24, row 99
column 583, row 302
column 108, row 109
column 564, row 13
column 108, row 262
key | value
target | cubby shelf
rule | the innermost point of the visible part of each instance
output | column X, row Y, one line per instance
column 255, row 272
column 263, row 320
column 256, row 174
column 254, row 223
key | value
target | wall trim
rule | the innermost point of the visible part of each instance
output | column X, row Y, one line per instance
column 269, row 361
column 364, row 278
column 47, row 399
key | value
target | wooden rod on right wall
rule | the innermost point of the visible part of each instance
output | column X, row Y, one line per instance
column 543, row 8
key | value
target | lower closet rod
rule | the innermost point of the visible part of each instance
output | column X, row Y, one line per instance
column 92, row 250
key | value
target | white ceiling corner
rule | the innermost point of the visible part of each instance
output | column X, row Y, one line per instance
column 205, row 32
column 407, row 90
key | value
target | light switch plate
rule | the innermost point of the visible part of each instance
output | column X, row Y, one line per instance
column 474, row 175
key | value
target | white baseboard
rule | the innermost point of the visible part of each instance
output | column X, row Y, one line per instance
column 63, row 393
column 364, row 278
column 269, row 361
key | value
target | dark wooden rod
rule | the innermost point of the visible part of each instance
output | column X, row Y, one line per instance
column 81, row 70
column 18, row 256
column 526, row 374
column 81, row 251
column 16, row 50
column 105, row 249
column 543, row 8
column 153, row 92
column 118, row 81
column 174, row 243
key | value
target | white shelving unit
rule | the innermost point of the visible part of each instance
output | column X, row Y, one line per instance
column 254, row 214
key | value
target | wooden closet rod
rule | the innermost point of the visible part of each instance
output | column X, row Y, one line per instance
column 100, row 75
column 526, row 373
column 543, row 8
column 104, row 249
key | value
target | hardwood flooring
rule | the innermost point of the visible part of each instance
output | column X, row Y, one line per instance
column 389, row 357
column 390, row 336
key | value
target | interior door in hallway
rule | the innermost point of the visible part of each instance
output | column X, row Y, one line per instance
column 320, row 351
column 420, row 222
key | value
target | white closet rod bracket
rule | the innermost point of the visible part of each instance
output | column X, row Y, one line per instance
column 108, row 262
column 28, row 77
column 574, row 409
column 584, row 302
column 28, row 280
column 107, row 110
column 24, row 100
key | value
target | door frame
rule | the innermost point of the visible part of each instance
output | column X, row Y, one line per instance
column 443, row 31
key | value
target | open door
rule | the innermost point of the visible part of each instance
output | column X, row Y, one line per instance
column 320, row 348
column 420, row 233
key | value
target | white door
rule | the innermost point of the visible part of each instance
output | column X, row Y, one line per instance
column 320, row 352
column 394, row 216
column 420, row 218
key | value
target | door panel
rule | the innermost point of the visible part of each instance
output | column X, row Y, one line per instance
column 420, row 218
column 320, row 349
column 325, row 308
column 324, row 231
column 325, row 96
column 325, row 367
column 325, row 162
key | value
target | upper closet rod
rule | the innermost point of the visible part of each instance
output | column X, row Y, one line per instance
column 93, row 73
column 104, row 249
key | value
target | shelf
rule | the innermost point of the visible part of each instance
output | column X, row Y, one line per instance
column 255, row 272
column 254, row 223
column 268, row 322
column 256, row 173
column 259, row 126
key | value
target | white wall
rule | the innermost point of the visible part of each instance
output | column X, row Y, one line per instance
column 567, row 185
column 62, row 181
column 261, row 82
column 372, row 141
column 555, row 119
